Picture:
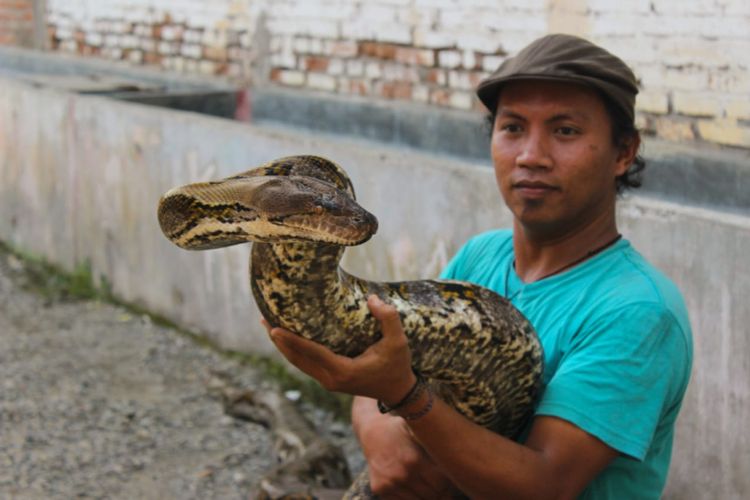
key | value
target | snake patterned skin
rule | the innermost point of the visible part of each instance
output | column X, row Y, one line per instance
column 476, row 351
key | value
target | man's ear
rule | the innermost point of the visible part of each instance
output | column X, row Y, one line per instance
column 628, row 149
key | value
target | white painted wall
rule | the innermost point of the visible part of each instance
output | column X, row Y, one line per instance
column 692, row 57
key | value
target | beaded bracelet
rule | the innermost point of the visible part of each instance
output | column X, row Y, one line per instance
column 413, row 395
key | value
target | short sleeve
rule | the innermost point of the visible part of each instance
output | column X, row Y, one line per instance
column 453, row 271
column 618, row 374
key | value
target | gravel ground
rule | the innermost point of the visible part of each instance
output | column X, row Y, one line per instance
column 96, row 402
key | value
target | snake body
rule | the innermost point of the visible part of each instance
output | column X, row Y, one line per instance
column 476, row 351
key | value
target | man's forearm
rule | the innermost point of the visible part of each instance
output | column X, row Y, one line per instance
column 557, row 461
column 480, row 462
column 363, row 411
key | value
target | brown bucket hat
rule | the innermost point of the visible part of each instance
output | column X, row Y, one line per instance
column 566, row 58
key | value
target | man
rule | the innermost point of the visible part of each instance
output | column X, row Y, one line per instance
column 617, row 341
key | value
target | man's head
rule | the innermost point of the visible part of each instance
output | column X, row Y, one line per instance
column 570, row 59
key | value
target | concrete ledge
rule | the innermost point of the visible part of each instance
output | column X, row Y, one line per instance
column 706, row 176
column 34, row 62
column 120, row 80
column 223, row 104
column 438, row 131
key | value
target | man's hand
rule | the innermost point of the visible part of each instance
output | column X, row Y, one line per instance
column 382, row 372
column 398, row 466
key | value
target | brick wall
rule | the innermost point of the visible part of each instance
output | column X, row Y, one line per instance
column 691, row 56
column 17, row 22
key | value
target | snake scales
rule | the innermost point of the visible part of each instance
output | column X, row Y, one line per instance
column 477, row 352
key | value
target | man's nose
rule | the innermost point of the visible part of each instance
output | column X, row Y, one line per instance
column 534, row 151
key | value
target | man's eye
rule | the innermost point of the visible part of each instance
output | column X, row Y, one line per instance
column 567, row 131
column 510, row 127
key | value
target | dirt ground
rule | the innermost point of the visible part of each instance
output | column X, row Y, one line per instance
column 97, row 402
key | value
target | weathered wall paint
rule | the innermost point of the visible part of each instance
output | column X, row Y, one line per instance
column 80, row 178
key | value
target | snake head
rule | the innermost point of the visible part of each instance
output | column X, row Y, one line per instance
column 272, row 209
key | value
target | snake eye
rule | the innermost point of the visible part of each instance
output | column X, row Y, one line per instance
column 326, row 203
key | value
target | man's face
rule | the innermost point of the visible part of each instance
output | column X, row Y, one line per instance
column 555, row 161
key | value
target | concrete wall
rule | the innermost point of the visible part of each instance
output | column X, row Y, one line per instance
column 80, row 177
column 690, row 56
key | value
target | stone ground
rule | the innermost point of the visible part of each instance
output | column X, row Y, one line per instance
column 96, row 402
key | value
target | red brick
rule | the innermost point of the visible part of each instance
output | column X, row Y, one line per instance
column 406, row 55
column 92, row 51
column 152, row 58
column 215, row 53
column 18, row 4
column 436, row 76
column 441, row 97
column 15, row 15
column 379, row 50
column 396, row 90
column 359, row 87
column 318, row 64
column 386, row 51
column 367, row 49
column 222, row 68
column 410, row 55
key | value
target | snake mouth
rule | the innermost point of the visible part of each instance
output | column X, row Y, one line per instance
column 347, row 230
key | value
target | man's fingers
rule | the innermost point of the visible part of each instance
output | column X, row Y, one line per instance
column 312, row 358
column 292, row 342
column 390, row 321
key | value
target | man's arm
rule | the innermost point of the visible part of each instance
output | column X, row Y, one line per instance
column 397, row 465
column 558, row 459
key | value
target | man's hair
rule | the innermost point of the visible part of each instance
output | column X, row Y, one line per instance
column 623, row 131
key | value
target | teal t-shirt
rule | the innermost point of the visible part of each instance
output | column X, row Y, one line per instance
column 617, row 351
